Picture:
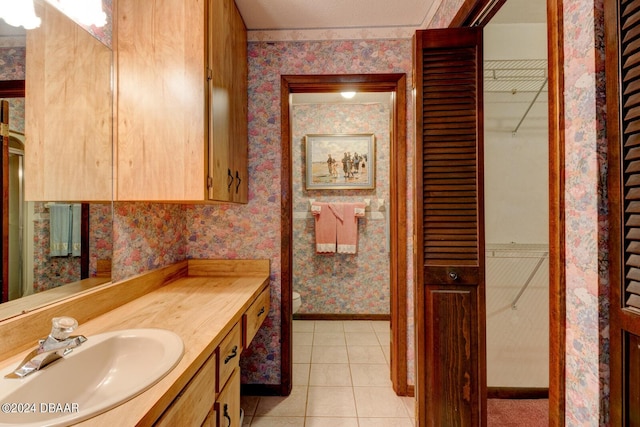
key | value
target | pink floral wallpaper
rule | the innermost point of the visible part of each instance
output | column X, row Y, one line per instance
column 342, row 283
column 100, row 234
column 587, row 363
column 49, row 272
column 12, row 62
column 146, row 236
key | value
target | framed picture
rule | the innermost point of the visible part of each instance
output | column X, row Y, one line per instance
column 340, row 162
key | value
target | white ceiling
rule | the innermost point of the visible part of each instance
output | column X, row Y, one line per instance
column 334, row 19
column 332, row 14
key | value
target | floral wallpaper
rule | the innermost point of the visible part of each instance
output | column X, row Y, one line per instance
column 49, row 272
column 100, row 234
column 12, row 62
column 146, row 236
column 587, row 346
column 16, row 114
column 342, row 283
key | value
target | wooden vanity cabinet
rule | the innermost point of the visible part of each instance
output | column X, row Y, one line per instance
column 227, row 404
column 254, row 316
column 193, row 404
column 181, row 101
column 212, row 396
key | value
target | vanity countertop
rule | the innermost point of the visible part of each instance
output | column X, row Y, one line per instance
column 201, row 307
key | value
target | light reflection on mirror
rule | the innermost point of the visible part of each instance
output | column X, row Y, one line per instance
column 29, row 269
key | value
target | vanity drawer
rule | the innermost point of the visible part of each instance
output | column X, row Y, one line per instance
column 195, row 401
column 228, row 353
column 228, row 404
column 255, row 315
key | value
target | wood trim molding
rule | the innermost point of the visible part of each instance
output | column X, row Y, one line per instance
column 557, row 279
column 395, row 83
column 340, row 316
column 476, row 13
column 517, row 393
column 12, row 89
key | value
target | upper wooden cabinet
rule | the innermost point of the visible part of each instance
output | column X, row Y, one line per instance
column 181, row 101
column 68, row 115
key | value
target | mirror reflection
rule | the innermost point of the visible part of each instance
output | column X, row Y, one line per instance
column 55, row 116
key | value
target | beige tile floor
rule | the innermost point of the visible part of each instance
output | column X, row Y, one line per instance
column 340, row 379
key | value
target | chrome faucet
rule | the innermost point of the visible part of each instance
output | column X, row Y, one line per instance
column 57, row 345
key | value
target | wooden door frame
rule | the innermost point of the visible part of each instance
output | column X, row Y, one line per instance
column 478, row 12
column 8, row 89
column 395, row 83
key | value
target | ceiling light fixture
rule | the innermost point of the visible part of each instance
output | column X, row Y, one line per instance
column 19, row 14
column 348, row 95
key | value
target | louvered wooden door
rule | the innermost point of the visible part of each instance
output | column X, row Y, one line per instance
column 623, row 135
column 451, row 368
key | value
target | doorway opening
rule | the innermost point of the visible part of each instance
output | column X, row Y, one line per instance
column 516, row 177
column 395, row 84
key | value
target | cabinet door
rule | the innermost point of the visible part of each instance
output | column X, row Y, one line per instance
column 227, row 103
column 68, row 115
column 220, row 62
column 239, row 89
column 228, row 403
column 161, row 144
column 194, row 404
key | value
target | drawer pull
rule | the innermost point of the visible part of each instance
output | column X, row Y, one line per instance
column 261, row 312
column 234, row 353
column 226, row 414
column 230, row 179
column 239, row 181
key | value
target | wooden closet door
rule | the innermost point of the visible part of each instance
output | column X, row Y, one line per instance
column 450, row 288
column 622, row 28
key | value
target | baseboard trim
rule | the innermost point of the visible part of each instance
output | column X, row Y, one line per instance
column 517, row 393
column 340, row 316
column 262, row 390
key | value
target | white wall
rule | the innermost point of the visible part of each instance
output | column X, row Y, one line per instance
column 516, row 165
column 515, row 41
column 516, row 187
column 516, row 211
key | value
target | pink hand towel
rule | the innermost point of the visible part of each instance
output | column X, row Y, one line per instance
column 347, row 229
column 325, row 228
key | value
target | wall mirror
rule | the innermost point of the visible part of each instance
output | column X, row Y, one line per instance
column 55, row 83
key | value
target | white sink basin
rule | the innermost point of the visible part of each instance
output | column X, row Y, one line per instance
column 105, row 371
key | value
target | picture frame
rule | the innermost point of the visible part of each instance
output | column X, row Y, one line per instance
column 340, row 161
